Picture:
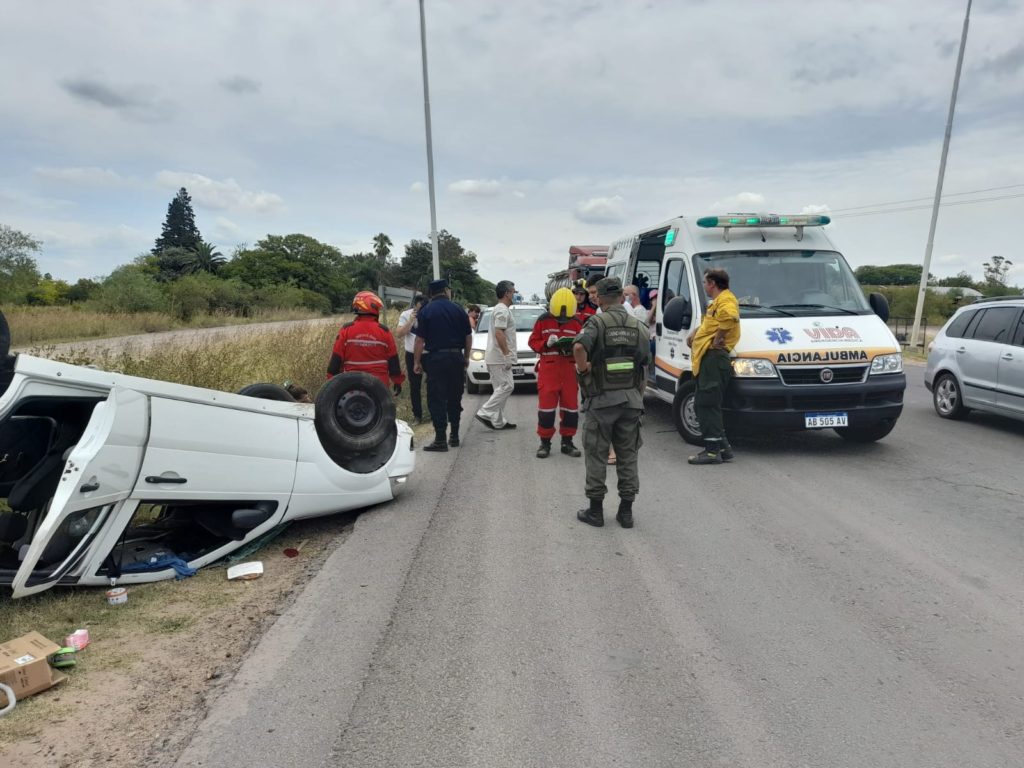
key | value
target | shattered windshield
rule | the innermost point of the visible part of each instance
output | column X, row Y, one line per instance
column 788, row 282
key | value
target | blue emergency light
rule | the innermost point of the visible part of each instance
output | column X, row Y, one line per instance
column 763, row 220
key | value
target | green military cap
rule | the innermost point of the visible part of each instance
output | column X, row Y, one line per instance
column 609, row 286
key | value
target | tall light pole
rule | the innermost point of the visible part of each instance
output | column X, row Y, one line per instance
column 430, row 149
column 923, row 288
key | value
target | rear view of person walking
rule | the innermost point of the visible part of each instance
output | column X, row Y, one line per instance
column 443, row 342
column 500, row 357
column 552, row 339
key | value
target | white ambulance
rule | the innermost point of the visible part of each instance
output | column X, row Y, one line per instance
column 813, row 353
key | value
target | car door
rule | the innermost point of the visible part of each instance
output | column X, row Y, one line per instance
column 208, row 452
column 1010, row 394
column 979, row 351
column 101, row 471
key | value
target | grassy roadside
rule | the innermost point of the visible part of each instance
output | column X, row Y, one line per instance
column 31, row 326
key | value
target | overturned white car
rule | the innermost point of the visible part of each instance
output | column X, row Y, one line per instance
column 108, row 476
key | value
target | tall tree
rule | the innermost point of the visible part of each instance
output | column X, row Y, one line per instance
column 457, row 265
column 19, row 273
column 995, row 271
column 207, row 258
column 179, row 230
column 382, row 247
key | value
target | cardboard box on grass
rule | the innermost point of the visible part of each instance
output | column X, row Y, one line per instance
column 24, row 666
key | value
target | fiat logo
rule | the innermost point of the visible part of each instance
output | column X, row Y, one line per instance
column 826, row 375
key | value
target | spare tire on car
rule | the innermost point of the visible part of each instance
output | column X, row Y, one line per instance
column 355, row 421
column 267, row 392
column 5, row 337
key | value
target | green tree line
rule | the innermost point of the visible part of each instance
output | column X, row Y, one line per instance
column 184, row 275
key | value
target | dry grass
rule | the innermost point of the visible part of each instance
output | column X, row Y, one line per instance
column 50, row 325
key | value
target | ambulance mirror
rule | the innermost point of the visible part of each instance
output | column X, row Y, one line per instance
column 880, row 305
column 677, row 314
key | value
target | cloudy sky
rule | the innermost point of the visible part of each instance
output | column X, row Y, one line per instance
column 555, row 123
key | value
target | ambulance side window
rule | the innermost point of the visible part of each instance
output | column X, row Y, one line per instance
column 676, row 283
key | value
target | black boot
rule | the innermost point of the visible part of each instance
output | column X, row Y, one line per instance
column 727, row 454
column 625, row 513
column 439, row 444
column 712, row 453
column 453, row 441
column 545, row 449
column 569, row 449
column 594, row 515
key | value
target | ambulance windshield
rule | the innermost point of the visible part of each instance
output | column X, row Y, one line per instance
column 799, row 282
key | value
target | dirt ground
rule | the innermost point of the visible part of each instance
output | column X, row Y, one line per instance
column 140, row 689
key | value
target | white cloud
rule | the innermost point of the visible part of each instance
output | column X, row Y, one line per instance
column 417, row 186
column 88, row 176
column 815, row 208
column 744, row 202
column 476, row 187
column 601, row 210
column 223, row 195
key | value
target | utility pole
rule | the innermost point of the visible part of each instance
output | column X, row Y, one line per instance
column 923, row 288
column 430, row 149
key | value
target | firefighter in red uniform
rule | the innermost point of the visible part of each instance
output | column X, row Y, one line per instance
column 584, row 308
column 556, row 373
column 366, row 345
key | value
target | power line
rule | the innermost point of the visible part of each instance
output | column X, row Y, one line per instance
column 922, row 199
column 925, row 207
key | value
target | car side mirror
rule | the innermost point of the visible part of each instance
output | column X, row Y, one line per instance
column 247, row 519
column 677, row 314
column 880, row 305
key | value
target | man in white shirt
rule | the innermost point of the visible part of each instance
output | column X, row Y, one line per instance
column 631, row 294
column 500, row 357
column 405, row 330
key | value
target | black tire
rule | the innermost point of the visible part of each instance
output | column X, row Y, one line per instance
column 684, row 413
column 5, row 337
column 869, row 434
column 354, row 413
column 472, row 388
column 267, row 392
column 948, row 397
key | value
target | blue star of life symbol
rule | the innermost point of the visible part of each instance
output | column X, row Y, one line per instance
column 779, row 335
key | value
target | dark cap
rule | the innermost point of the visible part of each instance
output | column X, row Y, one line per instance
column 437, row 286
column 609, row 286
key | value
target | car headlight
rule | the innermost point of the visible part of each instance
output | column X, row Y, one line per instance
column 476, row 354
column 888, row 363
column 752, row 367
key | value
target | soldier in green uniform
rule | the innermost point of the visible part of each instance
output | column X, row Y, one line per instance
column 611, row 355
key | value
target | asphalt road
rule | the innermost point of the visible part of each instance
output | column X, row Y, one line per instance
column 815, row 603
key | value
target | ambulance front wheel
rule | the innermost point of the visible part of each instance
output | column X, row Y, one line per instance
column 684, row 413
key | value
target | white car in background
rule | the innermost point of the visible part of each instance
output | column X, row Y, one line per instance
column 525, row 371
column 105, row 476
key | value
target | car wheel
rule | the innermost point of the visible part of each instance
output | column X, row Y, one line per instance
column 267, row 392
column 947, row 397
column 867, row 434
column 5, row 337
column 472, row 388
column 354, row 413
column 684, row 412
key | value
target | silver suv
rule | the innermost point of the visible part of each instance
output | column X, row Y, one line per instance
column 977, row 360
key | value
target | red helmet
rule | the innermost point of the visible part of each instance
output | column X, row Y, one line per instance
column 367, row 303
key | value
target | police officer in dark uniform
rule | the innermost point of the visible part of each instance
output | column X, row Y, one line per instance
column 442, row 329
column 611, row 355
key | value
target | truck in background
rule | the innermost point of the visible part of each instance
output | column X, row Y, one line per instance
column 585, row 262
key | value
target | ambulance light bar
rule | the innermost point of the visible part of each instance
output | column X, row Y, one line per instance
column 763, row 220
